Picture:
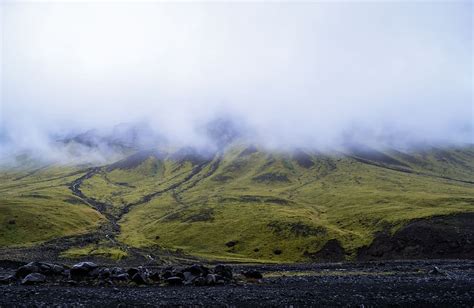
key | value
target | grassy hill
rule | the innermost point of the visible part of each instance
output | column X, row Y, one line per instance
column 242, row 204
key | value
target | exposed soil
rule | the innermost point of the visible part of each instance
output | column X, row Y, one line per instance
column 394, row 284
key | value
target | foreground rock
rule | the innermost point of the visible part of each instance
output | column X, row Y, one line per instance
column 89, row 273
column 33, row 278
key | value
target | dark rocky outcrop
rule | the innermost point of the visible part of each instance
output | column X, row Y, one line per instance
column 438, row 237
column 332, row 251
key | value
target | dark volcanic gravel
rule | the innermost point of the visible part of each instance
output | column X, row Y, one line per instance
column 392, row 283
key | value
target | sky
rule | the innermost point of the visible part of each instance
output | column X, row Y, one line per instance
column 312, row 74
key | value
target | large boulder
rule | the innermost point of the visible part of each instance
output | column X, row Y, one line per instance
column 197, row 270
column 50, row 269
column 224, row 271
column 189, row 277
column 45, row 268
column 25, row 270
column 82, row 269
column 139, row 278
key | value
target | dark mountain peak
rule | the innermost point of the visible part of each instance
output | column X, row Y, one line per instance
column 136, row 159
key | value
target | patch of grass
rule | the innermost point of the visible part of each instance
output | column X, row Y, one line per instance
column 113, row 253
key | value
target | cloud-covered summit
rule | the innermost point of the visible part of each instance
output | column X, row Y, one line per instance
column 291, row 74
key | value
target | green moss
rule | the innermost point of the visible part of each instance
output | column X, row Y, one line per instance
column 94, row 251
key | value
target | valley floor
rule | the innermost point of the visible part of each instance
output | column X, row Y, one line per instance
column 448, row 283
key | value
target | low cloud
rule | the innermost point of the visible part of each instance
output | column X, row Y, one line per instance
column 288, row 74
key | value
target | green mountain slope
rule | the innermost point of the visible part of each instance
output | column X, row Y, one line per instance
column 243, row 204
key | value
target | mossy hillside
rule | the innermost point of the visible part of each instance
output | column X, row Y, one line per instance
column 36, row 205
column 121, row 187
column 338, row 197
column 27, row 221
column 245, row 204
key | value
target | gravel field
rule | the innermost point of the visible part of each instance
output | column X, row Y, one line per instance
column 448, row 283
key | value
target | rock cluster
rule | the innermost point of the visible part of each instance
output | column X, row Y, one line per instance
column 89, row 273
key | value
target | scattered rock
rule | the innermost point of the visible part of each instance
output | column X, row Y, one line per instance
column 189, row 277
column 211, row 279
column 89, row 273
column 174, row 281
column 33, row 278
column 167, row 274
column 104, row 273
column 437, row 271
column 132, row 271
column 25, row 270
column 120, row 277
column 139, row 278
column 199, row 281
column 224, row 271
column 197, row 270
column 82, row 269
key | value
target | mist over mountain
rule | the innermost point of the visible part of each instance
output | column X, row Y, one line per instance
column 281, row 75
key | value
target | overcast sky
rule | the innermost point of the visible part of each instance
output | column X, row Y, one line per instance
column 297, row 73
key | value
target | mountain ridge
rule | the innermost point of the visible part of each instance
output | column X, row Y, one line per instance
column 246, row 203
